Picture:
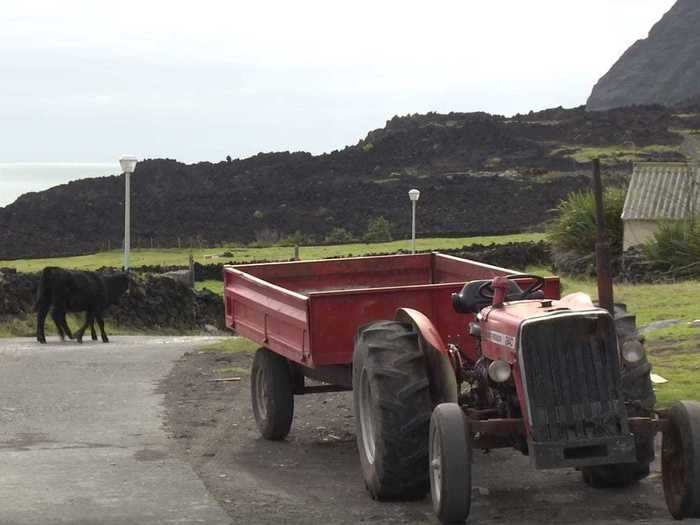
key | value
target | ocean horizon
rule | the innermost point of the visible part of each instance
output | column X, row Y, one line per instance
column 18, row 178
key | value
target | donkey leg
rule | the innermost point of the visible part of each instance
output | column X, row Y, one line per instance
column 93, row 334
column 56, row 316
column 42, row 312
column 89, row 319
column 64, row 325
column 101, row 323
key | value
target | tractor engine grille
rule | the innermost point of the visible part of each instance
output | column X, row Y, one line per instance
column 572, row 376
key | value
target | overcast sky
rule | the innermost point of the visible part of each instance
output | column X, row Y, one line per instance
column 83, row 81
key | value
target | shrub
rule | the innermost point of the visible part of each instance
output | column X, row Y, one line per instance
column 675, row 246
column 339, row 236
column 298, row 238
column 574, row 231
column 265, row 238
column 378, row 230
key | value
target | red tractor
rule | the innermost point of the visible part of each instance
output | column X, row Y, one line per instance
column 500, row 361
column 567, row 384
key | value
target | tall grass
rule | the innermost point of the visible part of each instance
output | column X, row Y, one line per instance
column 574, row 230
column 676, row 245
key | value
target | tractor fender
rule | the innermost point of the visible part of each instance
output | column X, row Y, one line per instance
column 441, row 374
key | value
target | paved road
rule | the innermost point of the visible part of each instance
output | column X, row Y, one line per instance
column 81, row 436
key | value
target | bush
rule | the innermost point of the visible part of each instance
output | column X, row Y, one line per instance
column 574, row 231
column 298, row 238
column 339, row 236
column 378, row 230
column 675, row 246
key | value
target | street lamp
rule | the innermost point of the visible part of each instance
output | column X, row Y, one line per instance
column 414, row 195
column 128, row 164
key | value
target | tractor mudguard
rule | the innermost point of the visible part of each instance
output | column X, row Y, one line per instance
column 443, row 377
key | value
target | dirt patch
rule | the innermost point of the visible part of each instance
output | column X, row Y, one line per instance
column 314, row 476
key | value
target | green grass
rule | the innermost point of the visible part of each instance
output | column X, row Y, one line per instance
column 26, row 327
column 613, row 154
column 233, row 345
column 675, row 351
column 213, row 286
column 177, row 257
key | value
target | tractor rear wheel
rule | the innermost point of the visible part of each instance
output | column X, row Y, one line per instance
column 450, row 464
column 392, row 407
column 680, row 461
column 272, row 394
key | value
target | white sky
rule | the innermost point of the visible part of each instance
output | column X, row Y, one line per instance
column 88, row 80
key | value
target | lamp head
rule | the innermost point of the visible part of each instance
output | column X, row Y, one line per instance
column 414, row 194
column 128, row 163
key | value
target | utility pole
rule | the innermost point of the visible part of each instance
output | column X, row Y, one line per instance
column 413, row 195
column 602, row 246
column 128, row 165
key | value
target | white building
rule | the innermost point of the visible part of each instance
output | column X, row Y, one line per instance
column 658, row 191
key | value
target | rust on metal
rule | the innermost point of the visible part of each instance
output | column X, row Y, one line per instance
column 646, row 425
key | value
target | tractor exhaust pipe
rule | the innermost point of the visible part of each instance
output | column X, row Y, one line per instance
column 602, row 246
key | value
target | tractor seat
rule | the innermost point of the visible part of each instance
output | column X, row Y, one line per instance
column 470, row 301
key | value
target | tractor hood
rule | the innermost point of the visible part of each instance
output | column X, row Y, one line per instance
column 500, row 326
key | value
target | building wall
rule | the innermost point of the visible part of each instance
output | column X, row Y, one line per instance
column 638, row 232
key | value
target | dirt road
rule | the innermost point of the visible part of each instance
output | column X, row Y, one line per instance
column 314, row 476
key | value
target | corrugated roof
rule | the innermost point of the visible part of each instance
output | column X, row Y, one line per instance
column 659, row 190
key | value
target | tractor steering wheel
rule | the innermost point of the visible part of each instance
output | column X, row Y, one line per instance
column 486, row 290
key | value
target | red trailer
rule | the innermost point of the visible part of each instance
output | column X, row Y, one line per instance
column 446, row 355
column 309, row 311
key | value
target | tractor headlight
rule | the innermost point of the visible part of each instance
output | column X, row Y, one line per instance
column 632, row 351
column 499, row 371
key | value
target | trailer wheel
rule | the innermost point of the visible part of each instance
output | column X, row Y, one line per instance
column 450, row 464
column 392, row 407
column 272, row 394
column 680, row 460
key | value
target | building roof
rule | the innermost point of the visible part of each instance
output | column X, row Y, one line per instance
column 660, row 190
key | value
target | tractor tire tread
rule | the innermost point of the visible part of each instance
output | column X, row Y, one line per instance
column 396, row 368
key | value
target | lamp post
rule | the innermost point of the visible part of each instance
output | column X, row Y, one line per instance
column 414, row 195
column 128, row 164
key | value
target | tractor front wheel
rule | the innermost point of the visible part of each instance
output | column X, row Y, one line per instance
column 680, row 461
column 392, row 407
column 450, row 464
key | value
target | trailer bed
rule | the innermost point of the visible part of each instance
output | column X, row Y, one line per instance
column 309, row 311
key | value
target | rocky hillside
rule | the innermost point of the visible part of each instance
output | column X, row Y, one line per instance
column 478, row 173
column 661, row 69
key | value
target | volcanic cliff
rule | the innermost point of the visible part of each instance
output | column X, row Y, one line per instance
column 661, row 69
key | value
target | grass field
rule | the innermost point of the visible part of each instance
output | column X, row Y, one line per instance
column 175, row 257
column 615, row 154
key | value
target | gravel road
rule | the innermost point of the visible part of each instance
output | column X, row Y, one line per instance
column 137, row 432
